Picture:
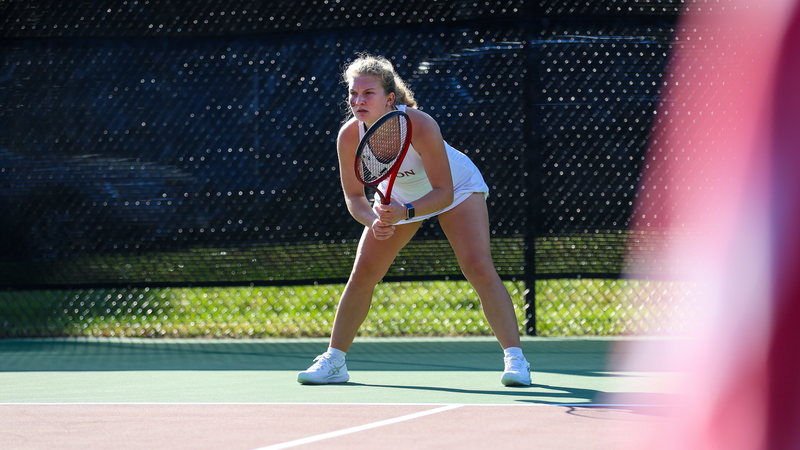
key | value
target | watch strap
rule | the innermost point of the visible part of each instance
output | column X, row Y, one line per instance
column 409, row 211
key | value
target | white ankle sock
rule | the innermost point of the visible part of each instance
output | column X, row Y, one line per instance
column 336, row 353
column 513, row 351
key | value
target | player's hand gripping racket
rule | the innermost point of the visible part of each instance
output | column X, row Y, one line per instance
column 381, row 151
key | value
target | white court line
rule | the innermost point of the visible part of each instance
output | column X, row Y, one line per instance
column 333, row 434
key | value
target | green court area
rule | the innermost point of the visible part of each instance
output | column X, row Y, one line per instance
column 439, row 370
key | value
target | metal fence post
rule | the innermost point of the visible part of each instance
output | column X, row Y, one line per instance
column 532, row 96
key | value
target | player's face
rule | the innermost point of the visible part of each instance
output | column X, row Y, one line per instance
column 368, row 100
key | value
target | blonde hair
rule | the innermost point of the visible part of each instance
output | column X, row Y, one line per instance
column 382, row 69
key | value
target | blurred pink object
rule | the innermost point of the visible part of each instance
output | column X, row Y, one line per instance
column 723, row 177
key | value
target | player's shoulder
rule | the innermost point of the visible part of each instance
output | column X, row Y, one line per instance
column 418, row 114
column 351, row 123
column 349, row 128
column 348, row 134
column 421, row 121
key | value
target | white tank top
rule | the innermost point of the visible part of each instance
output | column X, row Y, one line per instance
column 412, row 181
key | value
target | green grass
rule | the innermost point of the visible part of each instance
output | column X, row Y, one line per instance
column 437, row 308
column 576, row 307
column 564, row 307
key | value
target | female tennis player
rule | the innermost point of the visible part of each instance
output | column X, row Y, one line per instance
column 437, row 180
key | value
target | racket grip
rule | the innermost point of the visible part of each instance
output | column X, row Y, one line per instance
column 384, row 199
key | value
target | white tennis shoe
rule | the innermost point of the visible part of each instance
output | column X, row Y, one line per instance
column 325, row 370
column 517, row 371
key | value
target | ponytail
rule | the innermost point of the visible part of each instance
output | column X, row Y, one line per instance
column 402, row 93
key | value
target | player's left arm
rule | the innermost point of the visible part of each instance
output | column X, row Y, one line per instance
column 427, row 140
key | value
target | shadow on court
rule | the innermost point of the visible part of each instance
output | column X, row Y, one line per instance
column 537, row 391
column 656, row 404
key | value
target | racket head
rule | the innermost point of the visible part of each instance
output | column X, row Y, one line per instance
column 381, row 151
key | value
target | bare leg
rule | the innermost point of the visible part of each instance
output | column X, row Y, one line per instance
column 467, row 229
column 373, row 260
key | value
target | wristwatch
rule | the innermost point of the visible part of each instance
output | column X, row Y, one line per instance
column 409, row 211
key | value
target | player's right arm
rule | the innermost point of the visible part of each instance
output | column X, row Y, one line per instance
column 354, row 196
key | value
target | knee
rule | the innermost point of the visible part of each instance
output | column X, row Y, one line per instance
column 479, row 271
column 366, row 274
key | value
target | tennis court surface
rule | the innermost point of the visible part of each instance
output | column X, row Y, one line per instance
column 403, row 393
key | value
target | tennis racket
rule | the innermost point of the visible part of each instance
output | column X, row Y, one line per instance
column 381, row 151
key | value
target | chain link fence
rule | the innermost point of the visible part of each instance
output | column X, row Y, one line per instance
column 169, row 168
column 570, row 307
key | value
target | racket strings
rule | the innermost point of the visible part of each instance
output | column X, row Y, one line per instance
column 383, row 148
